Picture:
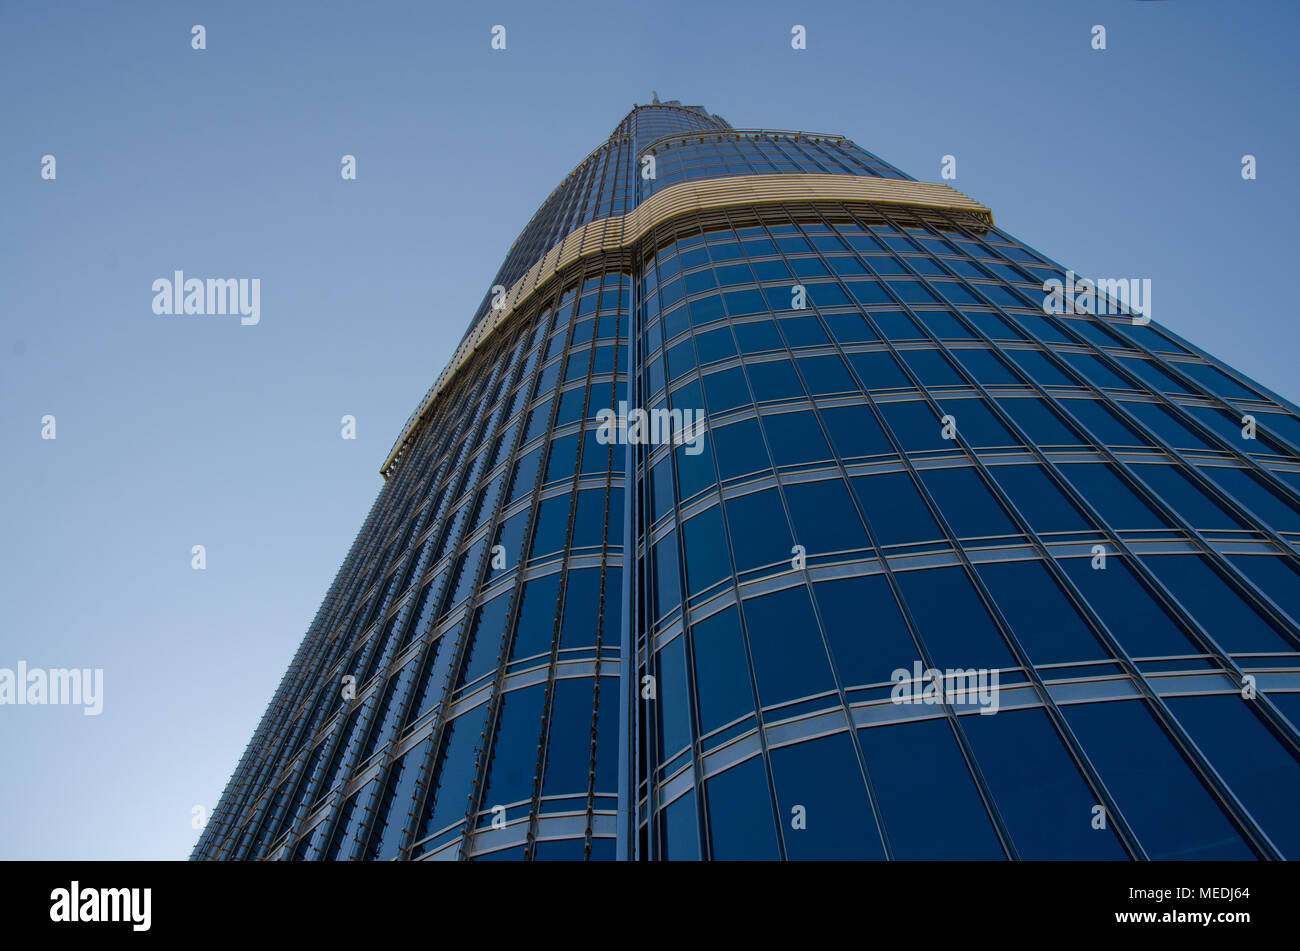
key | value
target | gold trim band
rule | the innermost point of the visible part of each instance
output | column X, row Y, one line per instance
column 622, row 232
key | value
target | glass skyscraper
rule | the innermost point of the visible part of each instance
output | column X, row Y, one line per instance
column 944, row 572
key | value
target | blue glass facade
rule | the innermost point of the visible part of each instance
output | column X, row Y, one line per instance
column 564, row 649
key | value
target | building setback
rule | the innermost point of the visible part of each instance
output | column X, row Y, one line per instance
column 916, row 477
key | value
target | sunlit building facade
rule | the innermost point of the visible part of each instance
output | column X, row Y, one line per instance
column 545, row 644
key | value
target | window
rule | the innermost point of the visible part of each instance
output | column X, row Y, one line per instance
column 740, row 814
column 824, row 517
column 739, row 449
column 916, row 426
column 707, row 559
column 1160, row 797
column 723, row 666
column 1043, row 799
column 895, row 510
column 951, row 619
column 1042, row 504
column 795, row 438
column 1258, row 769
column 977, row 425
column 928, row 800
column 868, row 637
column 1041, row 617
column 1141, row 626
column 759, row 534
column 786, row 645
column 855, row 432
column 1215, row 606
column 820, row 779
column 1186, row 498
column 1118, row 504
column 966, row 502
column 519, row 724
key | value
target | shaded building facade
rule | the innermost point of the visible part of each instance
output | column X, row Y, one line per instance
column 544, row 644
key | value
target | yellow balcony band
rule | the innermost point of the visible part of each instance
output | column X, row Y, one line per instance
column 622, row 232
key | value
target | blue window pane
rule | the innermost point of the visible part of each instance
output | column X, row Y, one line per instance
column 1037, row 788
column 1215, row 605
column 786, row 646
column 681, row 839
column 822, row 802
column 1249, row 490
column 454, row 775
column 563, row 458
column 1039, row 368
column 896, row 325
column 581, row 608
column 715, row 345
column 976, row 424
column 825, row 375
column 1130, row 612
column 552, row 524
column 1153, row 375
column 1098, row 419
column 513, row 755
column 1042, row 504
column 1095, row 371
column 707, row 558
column 1040, row 422
column 1275, row 577
column 668, row 592
column 966, row 502
column 695, row 473
column 722, row 665
column 672, row 698
column 726, row 390
column 739, row 449
column 986, row 367
column 568, row 746
column 756, row 336
column 878, row 370
column 849, row 328
column 1186, row 498
column 1118, row 504
column 855, row 432
column 1259, row 770
column 895, row 510
column 1041, row 617
column 1160, row 797
column 868, row 637
column 1165, row 425
column 932, row 368
column 774, row 380
column 740, row 814
column 535, row 626
column 759, row 534
column 952, row 620
column 824, row 517
column 916, row 426
column 931, row 808
column 589, row 520
column 795, row 438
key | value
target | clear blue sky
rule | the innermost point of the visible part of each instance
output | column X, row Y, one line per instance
column 176, row 432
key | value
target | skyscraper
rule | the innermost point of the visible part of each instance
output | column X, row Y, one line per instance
column 947, row 566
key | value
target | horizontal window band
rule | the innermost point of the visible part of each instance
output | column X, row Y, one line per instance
column 622, row 234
